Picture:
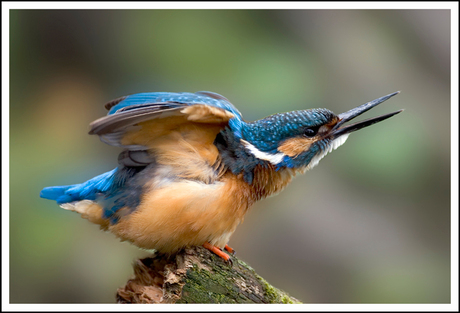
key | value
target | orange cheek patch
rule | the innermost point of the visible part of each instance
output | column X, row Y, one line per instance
column 294, row 146
column 332, row 123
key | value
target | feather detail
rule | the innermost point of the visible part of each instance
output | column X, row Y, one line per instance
column 89, row 210
column 114, row 102
column 130, row 116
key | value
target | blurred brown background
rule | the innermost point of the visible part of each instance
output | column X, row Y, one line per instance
column 370, row 224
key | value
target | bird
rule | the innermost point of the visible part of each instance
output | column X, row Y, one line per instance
column 191, row 167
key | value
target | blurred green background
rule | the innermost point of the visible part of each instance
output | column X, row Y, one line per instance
column 370, row 224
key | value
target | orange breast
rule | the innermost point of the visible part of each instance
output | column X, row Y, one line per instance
column 186, row 213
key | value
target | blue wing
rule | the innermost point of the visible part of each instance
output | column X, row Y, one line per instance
column 124, row 116
column 127, row 112
column 187, row 98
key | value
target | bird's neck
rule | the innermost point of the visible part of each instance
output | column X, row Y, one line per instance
column 261, row 176
column 235, row 154
column 268, row 181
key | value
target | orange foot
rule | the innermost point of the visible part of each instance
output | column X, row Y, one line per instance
column 230, row 249
column 217, row 251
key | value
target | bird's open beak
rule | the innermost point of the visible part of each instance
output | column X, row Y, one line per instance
column 338, row 131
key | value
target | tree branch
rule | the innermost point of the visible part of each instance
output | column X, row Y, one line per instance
column 195, row 275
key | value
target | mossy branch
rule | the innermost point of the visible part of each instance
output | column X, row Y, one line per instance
column 196, row 275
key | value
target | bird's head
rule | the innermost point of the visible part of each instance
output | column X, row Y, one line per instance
column 300, row 139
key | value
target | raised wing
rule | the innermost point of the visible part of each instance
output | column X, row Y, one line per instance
column 137, row 121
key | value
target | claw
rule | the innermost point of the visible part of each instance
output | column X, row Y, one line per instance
column 218, row 252
column 230, row 249
column 230, row 261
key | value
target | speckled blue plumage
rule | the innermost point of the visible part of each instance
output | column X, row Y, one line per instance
column 267, row 133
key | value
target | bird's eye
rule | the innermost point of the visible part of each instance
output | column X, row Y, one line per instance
column 310, row 132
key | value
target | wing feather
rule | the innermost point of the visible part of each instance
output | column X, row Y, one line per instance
column 129, row 117
column 135, row 121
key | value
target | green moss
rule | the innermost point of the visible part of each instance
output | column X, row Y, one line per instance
column 274, row 295
column 202, row 286
column 219, row 284
column 288, row 300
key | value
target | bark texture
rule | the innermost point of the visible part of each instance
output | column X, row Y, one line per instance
column 195, row 275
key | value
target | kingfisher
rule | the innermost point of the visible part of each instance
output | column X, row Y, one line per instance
column 191, row 166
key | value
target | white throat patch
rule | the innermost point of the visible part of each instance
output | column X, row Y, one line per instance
column 276, row 158
column 332, row 146
column 272, row 158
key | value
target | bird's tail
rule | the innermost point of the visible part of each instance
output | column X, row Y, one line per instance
column 71, row 201
column 85, row 191
column 58, row 194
